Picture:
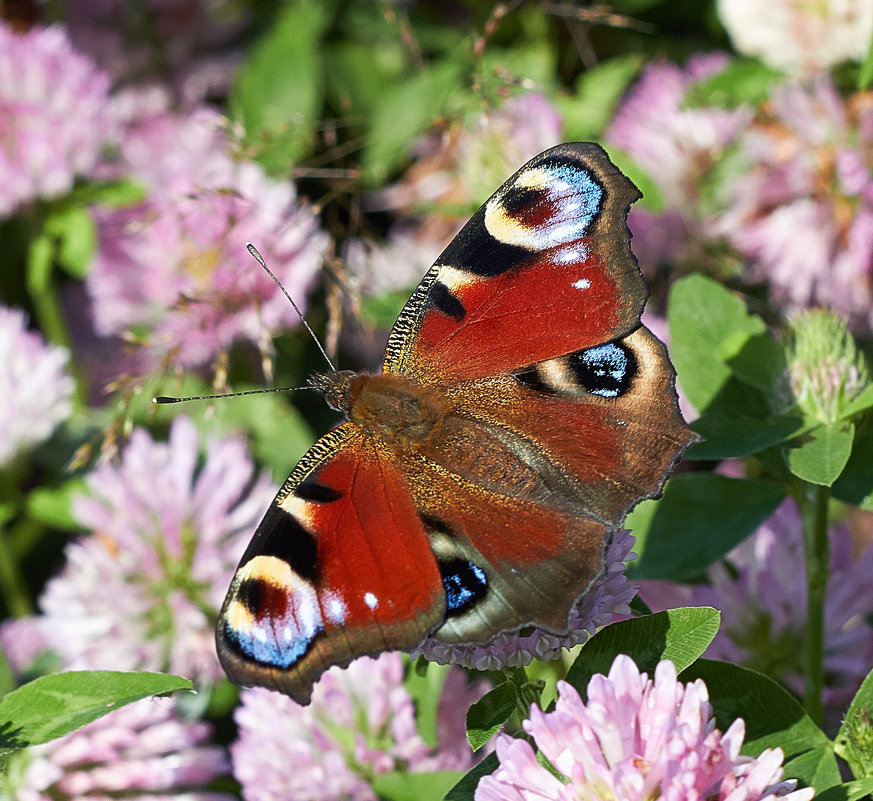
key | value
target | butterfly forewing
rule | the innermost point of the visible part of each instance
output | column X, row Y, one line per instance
column 542, row 269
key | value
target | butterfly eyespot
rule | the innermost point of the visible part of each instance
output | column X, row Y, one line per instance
column 250, row 594
column 548, row 205
column 272, row 616
column 465, row 584
column 528, row 204
column 606, row 370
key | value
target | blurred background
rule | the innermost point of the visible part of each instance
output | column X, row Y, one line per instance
column 142, row 144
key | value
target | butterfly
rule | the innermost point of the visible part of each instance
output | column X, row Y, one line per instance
column 521, row 411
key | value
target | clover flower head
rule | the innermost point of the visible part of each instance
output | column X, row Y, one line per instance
column 142, row 590
column 54, row 115
column 35, row 388
column 360, row 724
column 635, row 738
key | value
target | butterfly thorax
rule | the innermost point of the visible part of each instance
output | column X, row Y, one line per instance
column 387, row 406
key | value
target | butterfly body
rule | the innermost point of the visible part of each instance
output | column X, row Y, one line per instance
column 476, row 481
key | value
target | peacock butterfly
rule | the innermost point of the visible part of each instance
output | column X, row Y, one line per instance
column 521, row 411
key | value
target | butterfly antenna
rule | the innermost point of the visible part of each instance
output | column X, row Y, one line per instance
column 169, row 399
column 260, row 259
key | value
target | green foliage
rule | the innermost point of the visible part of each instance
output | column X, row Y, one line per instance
column 381, row 310
column 855, row 484
column 680, row 635
column 466, row 786
column 488, row 715
column 865, row 74
column 424, row 687
column 405, row 110
column 53, row 506
column 597, row 92
column 76, row 239
column 52, row 706
column 821, row 458
column 755, row 393
column 700, row 517
column 741, row 82
column 854, row 742
column 850, row 791
column 404, row 786
column 709, row 327
column 279, row 92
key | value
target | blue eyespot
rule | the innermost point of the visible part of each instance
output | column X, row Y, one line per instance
column 464, row 583
column 605, row 370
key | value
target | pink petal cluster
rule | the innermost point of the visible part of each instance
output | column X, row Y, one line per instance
column 142, row 590
column 802, row 213
column 361, row 723
column 609, row 595
column 762, row 598
column 54, row 115
column 636, row 739
column 35, row 389
column 799, row 37
column 141, row 752
column 677, row 145
column 398, row 263
column 176, row 263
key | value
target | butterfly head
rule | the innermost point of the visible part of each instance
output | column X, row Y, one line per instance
column 335, row 386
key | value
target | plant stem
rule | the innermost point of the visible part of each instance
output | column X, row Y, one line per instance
column 12, row 583
column 13, row 587
column 47, row 306
column 817, row 555
column 527, row 692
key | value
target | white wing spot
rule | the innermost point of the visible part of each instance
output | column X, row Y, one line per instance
column 582, row 283
column 371, row 600
column 336, row 609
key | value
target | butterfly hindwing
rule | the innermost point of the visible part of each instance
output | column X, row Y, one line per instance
column 604, row 419
column 551, row 244
column 339, row 567
column 532, row 471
